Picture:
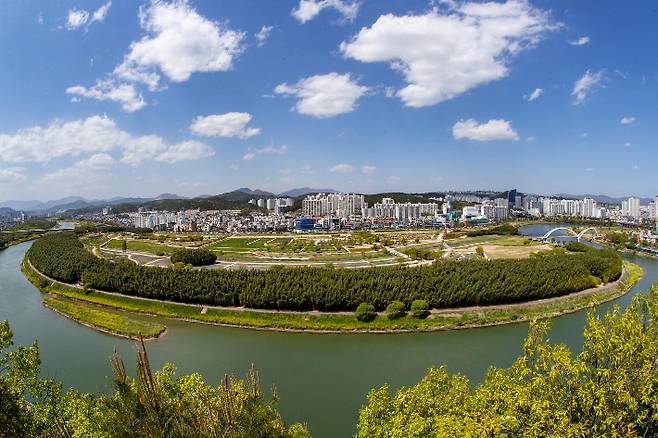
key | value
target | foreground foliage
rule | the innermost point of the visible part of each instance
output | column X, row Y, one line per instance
column 609, row 389
column 150, row 405
column 443, row 284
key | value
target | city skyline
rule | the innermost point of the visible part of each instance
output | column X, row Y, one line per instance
column 272, row 95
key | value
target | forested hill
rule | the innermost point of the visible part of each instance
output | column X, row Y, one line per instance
column 235, row 200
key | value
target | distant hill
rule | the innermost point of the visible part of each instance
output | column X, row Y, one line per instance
column 294, row 193
column 602, row 198
column 7, row 212
column 253, row 193
column 168, row 196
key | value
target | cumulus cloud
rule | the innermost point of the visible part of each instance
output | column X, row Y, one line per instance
column 125, row 94
column 342, row 168
column 11, row 176
column 586, row 85
column 367, row 168
column 94, row 135
column 267, row 150
column 79, row 17
column 580, row 41
column 309, row 9
column 627, row 120
column 496, row 129
column 324, row 96
column 177, row 42
column 535, row 94
column 444, row 53
column 263, row 34
column 233, row 124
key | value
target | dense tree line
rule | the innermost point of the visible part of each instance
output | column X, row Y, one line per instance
column 443, row 284
column 504, row 229
column 194, row 257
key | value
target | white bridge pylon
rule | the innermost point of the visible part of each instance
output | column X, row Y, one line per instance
column 578, row 235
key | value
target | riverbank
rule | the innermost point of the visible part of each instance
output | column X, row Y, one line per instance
column 344, row 322
column 85, row 313
column 106, row 322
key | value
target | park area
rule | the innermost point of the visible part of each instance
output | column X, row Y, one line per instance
column 359, row 249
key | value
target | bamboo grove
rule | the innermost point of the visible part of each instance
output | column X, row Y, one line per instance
column 443, row 284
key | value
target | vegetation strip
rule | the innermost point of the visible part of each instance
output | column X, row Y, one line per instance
column 442, row 284
column 107, row 322
column 347, row 323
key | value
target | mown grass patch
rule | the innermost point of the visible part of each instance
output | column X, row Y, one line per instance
column 111, row 322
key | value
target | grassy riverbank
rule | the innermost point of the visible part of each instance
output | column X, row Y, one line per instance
column 74, row 305
column 313, row 321
column 105, row 321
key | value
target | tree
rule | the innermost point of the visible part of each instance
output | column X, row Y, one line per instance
column 420, row 309
column 124, row 245
column 365, row 312
column 151, row 405
column 395, row 310
column 479, row 251
column 609, row 389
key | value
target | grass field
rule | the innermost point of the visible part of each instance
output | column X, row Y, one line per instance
column 108, row 321
column 141, row 245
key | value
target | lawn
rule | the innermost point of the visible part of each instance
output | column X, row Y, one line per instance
column 141, row 245
column 108, row 321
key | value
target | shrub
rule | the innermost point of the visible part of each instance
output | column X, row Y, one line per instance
column 420, row 309
column 395, row 310
column 194, row 257
column 365, row 312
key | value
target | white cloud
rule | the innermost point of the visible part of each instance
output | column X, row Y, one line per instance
column 234, row 167
column 531, row 139
column 627, row 145
column 309, row 9
column 267, row 150
column 535, row 94
column 125, row 94
column 627, row 120
column 307, row 169
column 580, row 41
column 584, row 135
column 97, row 162
column 324, row 96
column 263, row 34
column 366, row 168
column 79, row 17
column 179, row 42
column 496, row 129
column 100, row 13
column 11, row 176
column 233, row 124
column 442, row 54
column 586, row 85
column 94, row 135
column 342, row 168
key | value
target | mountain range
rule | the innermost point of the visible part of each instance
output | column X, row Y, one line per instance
column 237, row 197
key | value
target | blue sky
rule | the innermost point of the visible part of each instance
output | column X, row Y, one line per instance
column 121, row 98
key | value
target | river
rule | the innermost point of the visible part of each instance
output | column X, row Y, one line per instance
column 320, row 379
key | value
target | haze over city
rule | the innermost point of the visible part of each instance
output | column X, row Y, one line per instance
column 101, row 101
